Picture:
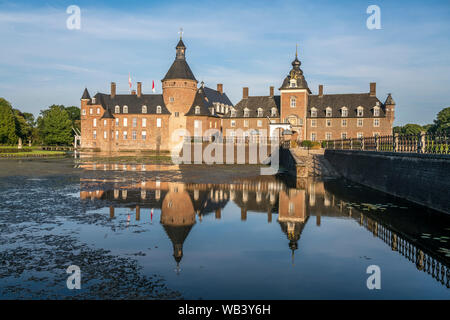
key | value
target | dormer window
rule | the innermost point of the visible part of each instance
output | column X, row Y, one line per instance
column 246, row 113
column 260, row 112
column 233, row 113
column 328, row 112
column 144, row 109
column 197, row 110
column 344, row 112
column 116, row 109
column 222, row 108
column 376, row 111
column 293, row 102
column 360, row 111
column 293, row 83
column 158, row 109
column 313, row 112
column 274, row 112
column 125, row 109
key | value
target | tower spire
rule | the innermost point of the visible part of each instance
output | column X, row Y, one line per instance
column 296, row 50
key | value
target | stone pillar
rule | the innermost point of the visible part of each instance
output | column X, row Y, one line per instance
column 395, row 142
column 243, row 214
column 138, row 213
column 218, row 214
column 422, row 141
column 111, row 212
column 269, row 216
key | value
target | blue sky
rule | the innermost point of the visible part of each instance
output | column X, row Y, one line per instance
column 237, row 43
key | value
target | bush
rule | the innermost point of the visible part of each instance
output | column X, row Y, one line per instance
column 14, row 150
column 310, row 144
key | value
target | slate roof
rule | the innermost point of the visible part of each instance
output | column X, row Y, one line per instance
column 133, row 102
column 201, row 101
column 107, row 114
column 253, row 103
column 86, row 95
column 297, row 74
column 351, row 101
column 389, row 100
column 179, row 70
column 215, row 96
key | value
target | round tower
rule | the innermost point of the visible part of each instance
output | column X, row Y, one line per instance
column 179, row 88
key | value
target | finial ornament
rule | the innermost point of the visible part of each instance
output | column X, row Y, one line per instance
column 296, row 50
column 181, row 33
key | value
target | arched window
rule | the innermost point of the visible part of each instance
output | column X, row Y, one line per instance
column 125, row 109
column 376, row 111
column 344, row 112
column 158, row 109
column 197, row 110
column 328, row 112
column 293, row 83
column 293, row 102
column 274, row 112
column 313, row 112
column 360, row 111
column 144, row 109
column 260, row 112
column 117, row 109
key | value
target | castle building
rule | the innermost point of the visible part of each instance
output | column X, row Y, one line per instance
column 138, row 121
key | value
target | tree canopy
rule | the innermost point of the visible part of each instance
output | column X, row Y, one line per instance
column 55, row 126
column 8, row 124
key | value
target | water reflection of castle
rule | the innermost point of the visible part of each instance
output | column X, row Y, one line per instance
column 181, row 204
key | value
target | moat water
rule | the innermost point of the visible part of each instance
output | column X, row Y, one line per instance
column 152, row 231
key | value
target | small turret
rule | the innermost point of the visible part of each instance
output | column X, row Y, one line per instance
column 389, row 105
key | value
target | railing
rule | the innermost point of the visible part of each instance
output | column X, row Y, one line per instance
column 237, row 140
column 424, row 261
column 435, row 143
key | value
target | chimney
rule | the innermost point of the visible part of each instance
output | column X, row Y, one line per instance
column 271, row 91
column 373, row 89
column 133, row 92
column 245, row 93
column 220, row 88
column 113, row 89
column 139, row 89
column 320, row 90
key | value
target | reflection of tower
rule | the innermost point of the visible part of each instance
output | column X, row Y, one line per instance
column 293, row 230
column 292, row 216
column 177, row 218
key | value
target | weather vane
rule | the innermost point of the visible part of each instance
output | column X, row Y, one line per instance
column 181, row 33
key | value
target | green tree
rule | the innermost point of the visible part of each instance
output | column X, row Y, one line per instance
column 442, row 122
column 8, row 126
column 55, row 126
column 74, row 114
column 24, row 124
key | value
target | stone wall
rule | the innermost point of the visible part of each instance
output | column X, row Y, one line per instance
column 420, row 178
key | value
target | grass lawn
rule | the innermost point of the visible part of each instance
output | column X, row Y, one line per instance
column 33, row 153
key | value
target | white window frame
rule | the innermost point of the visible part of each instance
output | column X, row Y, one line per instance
column 359, row 123
column 360, row 112
column 158, row 122
column 344, row 112
column 376, row 122
column 344, row 123
column 117, row 109
column 293, row 102
column 158, row 109
column 144, row 122
column 144, row 109
column 125, row 109
column 313, row 123
column 259, row 123
column 125, row 122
